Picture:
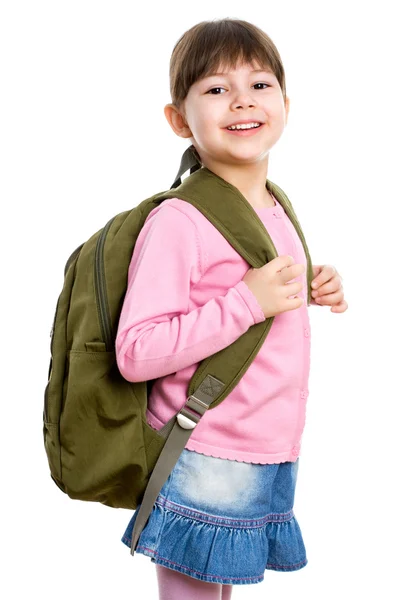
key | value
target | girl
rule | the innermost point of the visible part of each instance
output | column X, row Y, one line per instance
column 225, row 514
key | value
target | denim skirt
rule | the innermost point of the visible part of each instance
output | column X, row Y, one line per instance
column 224, row 521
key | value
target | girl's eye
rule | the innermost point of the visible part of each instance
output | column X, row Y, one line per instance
column 221, row 88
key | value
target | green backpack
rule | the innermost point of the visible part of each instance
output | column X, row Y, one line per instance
column 98, row 443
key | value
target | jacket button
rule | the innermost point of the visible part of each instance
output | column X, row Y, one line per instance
column 303, row 394
column 306, row 332
column 295, row 451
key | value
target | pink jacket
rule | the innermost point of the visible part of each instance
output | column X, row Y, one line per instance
column 185, row 301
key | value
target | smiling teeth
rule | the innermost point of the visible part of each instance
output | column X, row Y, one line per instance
column 244, row 126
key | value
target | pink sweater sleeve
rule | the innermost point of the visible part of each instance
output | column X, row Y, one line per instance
column 158, row 333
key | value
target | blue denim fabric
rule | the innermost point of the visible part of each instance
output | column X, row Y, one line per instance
column 224, row 521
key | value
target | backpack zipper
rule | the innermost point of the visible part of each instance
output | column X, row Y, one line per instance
column 101, row 289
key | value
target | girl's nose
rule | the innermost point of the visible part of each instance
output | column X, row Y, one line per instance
column 243, row 100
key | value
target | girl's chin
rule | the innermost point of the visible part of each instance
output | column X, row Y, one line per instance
column 246, row 155
column 235, row 153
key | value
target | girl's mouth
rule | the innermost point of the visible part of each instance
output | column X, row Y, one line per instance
column 245, row 132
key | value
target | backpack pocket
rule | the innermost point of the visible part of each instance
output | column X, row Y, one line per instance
column 103, row 456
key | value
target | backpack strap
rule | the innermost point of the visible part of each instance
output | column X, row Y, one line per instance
column 179, row 430
column 190, row 160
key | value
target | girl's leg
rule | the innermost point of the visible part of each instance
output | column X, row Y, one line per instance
column 226, row 592
column 173, row 585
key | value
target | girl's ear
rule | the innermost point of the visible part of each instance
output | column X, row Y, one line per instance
column 177, row 121
column 287, row 106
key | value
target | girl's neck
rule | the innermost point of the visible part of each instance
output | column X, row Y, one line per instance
column 250, row 180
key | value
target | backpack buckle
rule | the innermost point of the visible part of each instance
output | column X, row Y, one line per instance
column 195, row 406
column 185, row 422
column 191, row 413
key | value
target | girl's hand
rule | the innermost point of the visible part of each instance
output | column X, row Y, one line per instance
column 327, row 288
column 271, row 285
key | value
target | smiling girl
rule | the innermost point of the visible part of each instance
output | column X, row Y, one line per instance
column 225, row 513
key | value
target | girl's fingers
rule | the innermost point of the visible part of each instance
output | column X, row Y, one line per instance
column 336, row 304
column 329, row 287
column 341, row 307
column 330, row 299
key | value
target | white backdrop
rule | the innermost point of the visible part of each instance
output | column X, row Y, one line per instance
column 84, row 137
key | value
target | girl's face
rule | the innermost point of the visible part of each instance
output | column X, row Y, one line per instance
column 217, row 101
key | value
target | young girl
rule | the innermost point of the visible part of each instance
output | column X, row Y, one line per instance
column 225, row 514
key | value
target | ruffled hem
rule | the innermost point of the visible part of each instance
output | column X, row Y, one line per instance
column 244, row 457
column 220, row 550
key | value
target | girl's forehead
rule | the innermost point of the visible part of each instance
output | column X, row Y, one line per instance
column 226, row 69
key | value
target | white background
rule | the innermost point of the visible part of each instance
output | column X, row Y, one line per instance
column 84, row 137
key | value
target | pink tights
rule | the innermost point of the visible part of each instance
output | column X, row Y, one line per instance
column 173, row 585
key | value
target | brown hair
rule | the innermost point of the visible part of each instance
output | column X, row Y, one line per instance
column 223, row 42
